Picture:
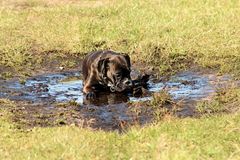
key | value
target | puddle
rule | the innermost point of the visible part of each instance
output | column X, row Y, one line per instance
column 109, row 111
column 60, row 88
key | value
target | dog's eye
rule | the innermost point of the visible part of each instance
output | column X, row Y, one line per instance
column 118, row 75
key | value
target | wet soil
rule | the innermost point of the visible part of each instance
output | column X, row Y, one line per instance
column 57, row 99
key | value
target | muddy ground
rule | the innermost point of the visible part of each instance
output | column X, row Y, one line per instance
column 55, row 98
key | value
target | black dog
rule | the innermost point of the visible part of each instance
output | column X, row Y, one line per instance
column 106, row 70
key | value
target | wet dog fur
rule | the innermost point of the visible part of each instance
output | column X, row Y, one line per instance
column 106, row 70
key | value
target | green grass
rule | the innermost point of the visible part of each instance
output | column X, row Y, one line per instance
column 225, row 101
column 214, row 135
column 170, row 35
column 205, row 138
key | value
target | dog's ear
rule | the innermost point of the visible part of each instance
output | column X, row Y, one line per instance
column 127, row 58
column 102, row 65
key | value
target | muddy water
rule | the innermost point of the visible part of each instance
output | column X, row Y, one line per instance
column 108, row 111
column 63, row 87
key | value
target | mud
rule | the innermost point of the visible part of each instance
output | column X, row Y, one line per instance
column 57, row 99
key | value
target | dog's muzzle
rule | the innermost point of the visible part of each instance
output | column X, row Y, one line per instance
column 121, row 86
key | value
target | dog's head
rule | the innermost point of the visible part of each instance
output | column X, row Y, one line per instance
column 115, row 72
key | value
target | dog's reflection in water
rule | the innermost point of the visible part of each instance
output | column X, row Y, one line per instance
column 105, row 98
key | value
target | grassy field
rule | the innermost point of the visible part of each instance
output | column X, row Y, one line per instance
column 205, row 138
column 169, row 35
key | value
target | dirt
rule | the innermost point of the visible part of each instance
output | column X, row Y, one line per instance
column 56, row 99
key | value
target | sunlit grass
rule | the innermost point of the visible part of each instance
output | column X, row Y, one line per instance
column 170, row 35
column 205, row 138
column 226, row 100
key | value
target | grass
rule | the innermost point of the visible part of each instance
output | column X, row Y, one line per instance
column 212, row 136
column 225, row 101
column 205, row 138
column 170, row 35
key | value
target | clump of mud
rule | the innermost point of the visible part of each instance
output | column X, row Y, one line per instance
column 57, row 99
